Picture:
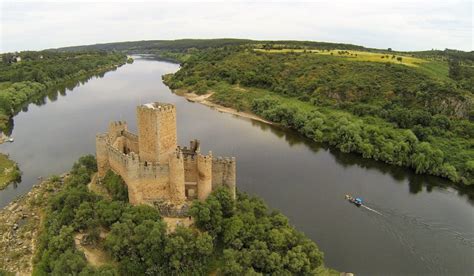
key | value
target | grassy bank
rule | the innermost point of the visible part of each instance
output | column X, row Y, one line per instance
column 9, row 171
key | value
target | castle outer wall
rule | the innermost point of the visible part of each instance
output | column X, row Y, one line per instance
column 162, row 170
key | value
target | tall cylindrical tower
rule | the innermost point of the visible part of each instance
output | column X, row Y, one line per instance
column 156, row 132
column 101, row 154
column 204, row 183
column 177, row 190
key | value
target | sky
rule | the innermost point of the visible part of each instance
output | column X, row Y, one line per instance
column 400, row 25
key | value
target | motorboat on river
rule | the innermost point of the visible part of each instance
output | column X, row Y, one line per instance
column 357, row 201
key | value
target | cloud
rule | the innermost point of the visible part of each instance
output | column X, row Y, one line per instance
column 402, row 25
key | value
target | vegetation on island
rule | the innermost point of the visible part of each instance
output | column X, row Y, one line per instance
column 9, row 171
column 415, row 112
column 228, row 238
column 27, row 75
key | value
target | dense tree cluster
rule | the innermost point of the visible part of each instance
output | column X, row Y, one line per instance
column 377, row 141
column 115, row 186
column 254, row 239
column 21, row 81
column 229, row 237
column 415, row 117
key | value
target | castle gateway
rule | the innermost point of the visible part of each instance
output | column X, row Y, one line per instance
column 153, row 166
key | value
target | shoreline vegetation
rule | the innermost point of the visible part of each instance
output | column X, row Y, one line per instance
column 62, row 226
column 20, row 224
column 28, row 75
column 207, row 99
column 9, row 171
column 415, row 111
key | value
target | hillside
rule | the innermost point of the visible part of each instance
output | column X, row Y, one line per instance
column 408, row 111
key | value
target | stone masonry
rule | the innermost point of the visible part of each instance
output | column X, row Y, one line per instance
column 154, row 167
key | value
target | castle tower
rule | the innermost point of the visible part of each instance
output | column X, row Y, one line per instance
column 156, row 132
column 177, row 190
column 101, row 154
column 116, row 128
column 230, row 180
column 204, row 182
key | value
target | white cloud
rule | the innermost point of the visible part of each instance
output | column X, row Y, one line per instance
column 403, row 25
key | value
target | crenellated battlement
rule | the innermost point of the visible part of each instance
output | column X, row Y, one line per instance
column 153, row 166
column 117, row 124
column 223, row 160
column 205, row 158
column 158, row 107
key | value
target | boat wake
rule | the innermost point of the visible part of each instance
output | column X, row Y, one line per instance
column 370, row 209
column 406, row 228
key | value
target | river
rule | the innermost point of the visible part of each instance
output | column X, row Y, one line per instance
column 414, row 225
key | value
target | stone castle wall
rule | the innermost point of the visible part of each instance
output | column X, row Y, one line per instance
column 223, row 173
column 154, row 167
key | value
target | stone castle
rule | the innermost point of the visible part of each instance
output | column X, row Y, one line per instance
column 154, row 167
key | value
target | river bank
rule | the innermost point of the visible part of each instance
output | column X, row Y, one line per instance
column 20, row 223
column 205, row 99
column 42, row 91
column 9, row 171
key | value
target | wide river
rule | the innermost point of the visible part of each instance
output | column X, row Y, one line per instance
column 413, row 224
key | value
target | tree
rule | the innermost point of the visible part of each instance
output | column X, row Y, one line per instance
column 188, row 251
column 69, row 263
column 208, row 215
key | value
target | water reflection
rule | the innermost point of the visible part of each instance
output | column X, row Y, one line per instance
column 416, row 182
column 51, row 95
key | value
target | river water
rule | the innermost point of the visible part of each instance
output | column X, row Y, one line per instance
column 413, row 224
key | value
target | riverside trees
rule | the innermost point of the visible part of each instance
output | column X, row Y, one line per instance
column 407, row 116
column 22, row 81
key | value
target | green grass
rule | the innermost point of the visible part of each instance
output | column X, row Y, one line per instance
column 9, row 171
column 356, row 55
column 437, row 69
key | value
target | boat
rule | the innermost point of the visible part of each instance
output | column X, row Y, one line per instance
column 357, row 201
column 10, row 140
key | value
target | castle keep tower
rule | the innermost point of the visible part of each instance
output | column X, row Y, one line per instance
column 154, row 167
column 156, row 124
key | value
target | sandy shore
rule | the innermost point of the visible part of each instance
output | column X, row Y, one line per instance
column 204, row 99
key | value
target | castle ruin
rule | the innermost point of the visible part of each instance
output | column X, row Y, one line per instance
column 153, row 166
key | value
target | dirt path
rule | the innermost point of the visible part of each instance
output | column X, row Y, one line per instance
column 96, row 256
